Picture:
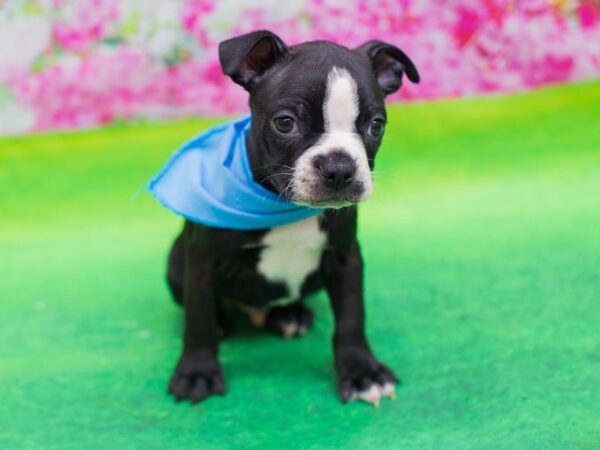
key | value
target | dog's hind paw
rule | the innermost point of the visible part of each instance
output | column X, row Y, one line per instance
column 290, row 320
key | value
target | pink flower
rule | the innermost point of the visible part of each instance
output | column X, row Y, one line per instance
column 589, row 13
column 98, row 69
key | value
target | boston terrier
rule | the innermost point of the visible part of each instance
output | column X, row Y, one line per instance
column 317, row 121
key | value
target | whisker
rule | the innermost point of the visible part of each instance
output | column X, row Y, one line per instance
column 276, row 165
column 276, row 174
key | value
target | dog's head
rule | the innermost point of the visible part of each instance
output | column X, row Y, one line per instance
column 318, row 112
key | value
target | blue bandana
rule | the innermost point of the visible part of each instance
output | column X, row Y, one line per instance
column 209, row 181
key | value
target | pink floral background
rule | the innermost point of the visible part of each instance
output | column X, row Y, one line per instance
column 84, row 63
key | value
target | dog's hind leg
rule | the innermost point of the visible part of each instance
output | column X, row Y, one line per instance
column 290, row 320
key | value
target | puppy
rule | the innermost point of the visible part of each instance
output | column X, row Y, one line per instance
column 317, row 121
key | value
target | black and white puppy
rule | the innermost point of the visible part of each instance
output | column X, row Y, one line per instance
column 318, row 118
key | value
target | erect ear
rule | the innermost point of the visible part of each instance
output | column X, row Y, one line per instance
column 389, row 63
column 245, row 58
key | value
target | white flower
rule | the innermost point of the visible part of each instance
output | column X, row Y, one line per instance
column 228, row 13
column 22, row 39
column 16, row 119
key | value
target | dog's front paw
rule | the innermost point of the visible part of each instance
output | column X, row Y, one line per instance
column 196, row 377
column 362, row 377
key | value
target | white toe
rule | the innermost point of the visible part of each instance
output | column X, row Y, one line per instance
column 288, row 329
column 375, row 393
column 371, row 395
column 388, row 390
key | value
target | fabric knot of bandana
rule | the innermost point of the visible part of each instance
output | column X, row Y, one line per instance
column 209, row 181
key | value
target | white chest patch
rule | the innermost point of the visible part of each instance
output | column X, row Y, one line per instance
column 291, row 253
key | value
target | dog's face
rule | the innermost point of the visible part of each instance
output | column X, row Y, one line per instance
column 318, row 113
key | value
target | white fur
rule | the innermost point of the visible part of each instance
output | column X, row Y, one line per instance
column 340, row 110
column 291, row 253
column 374, row 393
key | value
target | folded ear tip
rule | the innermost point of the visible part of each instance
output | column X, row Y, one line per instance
column 245, row 57
column 414, row 76
column 224, row 51
column 411, row 70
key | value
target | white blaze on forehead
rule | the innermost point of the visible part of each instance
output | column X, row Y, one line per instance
column 340, row 111
column 340, row 108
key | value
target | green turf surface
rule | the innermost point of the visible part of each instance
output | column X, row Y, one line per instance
column 482, row 247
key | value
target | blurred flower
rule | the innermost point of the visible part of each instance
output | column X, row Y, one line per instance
column 81, row 63
column 23, row 38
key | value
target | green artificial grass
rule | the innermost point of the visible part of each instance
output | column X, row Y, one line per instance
column 482, row 247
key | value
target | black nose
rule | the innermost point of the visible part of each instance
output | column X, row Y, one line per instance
column 337, row 169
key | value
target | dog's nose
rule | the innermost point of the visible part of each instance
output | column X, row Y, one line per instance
column 337, row 169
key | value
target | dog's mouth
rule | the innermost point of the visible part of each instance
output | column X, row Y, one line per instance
column 334, row 201
column 324, row 204
column 313, row 194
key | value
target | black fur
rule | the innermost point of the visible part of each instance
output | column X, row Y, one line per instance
column 208, row 265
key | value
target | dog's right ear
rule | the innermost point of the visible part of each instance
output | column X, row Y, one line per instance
column 245, row 58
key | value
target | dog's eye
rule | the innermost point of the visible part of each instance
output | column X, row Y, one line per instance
column 285, row 124
column 376, row 128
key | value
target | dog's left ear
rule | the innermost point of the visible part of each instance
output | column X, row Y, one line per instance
column 245, row 58
column 389, row 64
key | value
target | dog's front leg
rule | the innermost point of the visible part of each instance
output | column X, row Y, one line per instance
column 198, row 373
column 359, row 374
